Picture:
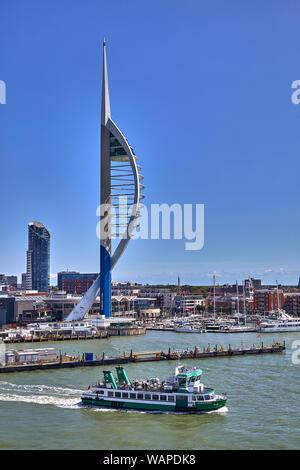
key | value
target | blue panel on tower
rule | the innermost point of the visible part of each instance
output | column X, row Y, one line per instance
column 105, row 282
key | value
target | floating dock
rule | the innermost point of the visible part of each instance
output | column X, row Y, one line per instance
column 246, row 329
column 147, row 356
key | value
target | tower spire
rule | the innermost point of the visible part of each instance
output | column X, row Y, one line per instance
column 105, row 107
column 119, row 178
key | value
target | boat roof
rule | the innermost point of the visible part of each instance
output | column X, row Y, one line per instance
column 185, row 372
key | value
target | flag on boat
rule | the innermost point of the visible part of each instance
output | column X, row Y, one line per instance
column 258, row 335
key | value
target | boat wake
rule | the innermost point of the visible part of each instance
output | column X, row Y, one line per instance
column 41, row 395
column 224, row 409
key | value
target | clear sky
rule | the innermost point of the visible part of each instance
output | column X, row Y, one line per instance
column 202, row 90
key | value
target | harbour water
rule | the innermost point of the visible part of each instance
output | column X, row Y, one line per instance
column 42, row 410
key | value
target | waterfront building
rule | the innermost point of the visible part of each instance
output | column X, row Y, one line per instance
column 73, row 282
column 190, row 302
column 125, row 288
column 38, row 258
column 8, row 281
column 267, row 300
column 27, row 306
column 23, row 281
column 237, row 304
column 254, row 283
column 62, row 305
column 292, row 303
column 6, row 309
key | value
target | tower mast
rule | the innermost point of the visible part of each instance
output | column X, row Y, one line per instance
column 120, row 180
column 105, row 198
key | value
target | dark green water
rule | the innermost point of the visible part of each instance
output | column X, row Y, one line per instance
column 41, row 410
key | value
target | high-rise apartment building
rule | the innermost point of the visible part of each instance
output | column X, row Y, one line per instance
column 38, row 258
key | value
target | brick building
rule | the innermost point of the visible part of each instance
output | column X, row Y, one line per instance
column 267, row 300
column 73, row 282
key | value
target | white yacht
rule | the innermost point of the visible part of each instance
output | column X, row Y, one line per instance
column 284, row 323
column 188, row 329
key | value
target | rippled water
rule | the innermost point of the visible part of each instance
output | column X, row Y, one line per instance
column 42, row 410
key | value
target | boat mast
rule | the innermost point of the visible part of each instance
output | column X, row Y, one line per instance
column 214, row 279
column 238, row 301
column 278, row 308
column 244, row 295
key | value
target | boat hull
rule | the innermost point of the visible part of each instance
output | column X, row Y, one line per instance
column 127, row 405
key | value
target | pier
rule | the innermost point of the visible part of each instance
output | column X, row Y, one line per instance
column 146, row 356
column 117, row 331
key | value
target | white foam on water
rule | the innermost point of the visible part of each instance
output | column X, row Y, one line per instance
column 42, row 400
column 7, row 386
column 40, row 394
column 224, row 409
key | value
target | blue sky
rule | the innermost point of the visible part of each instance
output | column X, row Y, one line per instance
column 202, row 90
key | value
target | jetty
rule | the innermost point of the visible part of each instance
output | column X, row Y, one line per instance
column 107, row 333
column 87, row 360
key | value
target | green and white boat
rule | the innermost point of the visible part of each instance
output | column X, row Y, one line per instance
column 182, row 392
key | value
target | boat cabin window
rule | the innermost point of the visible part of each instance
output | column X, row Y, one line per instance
column 101, row 392
column 154, row 397
column 200, row 398
column 132, row 395
column 182, row 381
column 118, row 394
column 163, row 397
column 170, row 398
column 124, row 395
column 207, row 397
column 110, row 394
column 193, row 379
column 147, row 396
column 140, row 396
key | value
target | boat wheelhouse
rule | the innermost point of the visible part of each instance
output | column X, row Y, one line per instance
column 182, row 392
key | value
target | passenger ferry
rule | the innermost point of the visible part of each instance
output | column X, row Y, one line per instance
column 182, row 392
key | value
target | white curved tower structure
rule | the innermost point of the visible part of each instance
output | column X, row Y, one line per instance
column 119, row 203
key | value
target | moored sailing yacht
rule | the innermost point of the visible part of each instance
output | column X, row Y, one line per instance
column 182, row 392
